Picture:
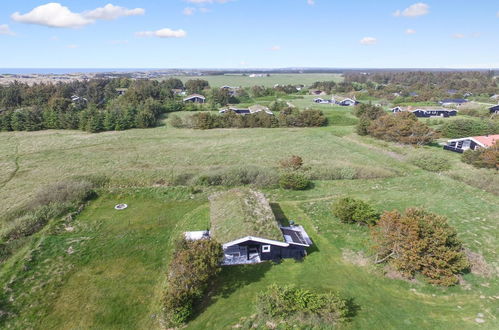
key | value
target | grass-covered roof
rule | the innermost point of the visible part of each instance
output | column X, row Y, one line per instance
column 242, row 212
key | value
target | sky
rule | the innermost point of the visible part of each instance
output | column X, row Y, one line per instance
column 249, row 34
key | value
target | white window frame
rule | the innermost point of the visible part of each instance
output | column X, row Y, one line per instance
column 265, row 248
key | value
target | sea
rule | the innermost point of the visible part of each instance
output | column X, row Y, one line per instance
column 69, row 70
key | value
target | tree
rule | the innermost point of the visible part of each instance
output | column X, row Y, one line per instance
column 18, row 121
column 196, row 86
column 403, row 128
column 420, row 242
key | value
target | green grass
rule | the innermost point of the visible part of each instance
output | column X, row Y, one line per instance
column 283, row 79
column 115, row 276
column 242, row 212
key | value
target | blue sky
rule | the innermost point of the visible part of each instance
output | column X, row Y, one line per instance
column 249, row 33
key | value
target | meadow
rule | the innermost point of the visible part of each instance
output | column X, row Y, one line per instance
column 306, row 79
column 107, row 268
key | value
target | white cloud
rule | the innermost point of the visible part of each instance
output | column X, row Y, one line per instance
column 5, row 30
column 311, row 2
column 56, row 15
column 73, row 46
column 458, row 36
column 275, row 48
column 410, row 31
column 53, row 15
column 189, row 11
column 111, row 12
column 497, row 14
column 163, row 33
column 415, row 10
column 368, row 41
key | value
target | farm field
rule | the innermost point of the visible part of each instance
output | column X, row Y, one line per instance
column 281, row 79
column 109, row 270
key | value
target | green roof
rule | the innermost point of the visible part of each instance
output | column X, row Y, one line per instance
column 238, row 213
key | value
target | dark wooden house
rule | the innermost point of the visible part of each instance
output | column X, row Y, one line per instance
column 195, row 98
column 453, row 102
column 471, row 143
column 494, row 109
column 348, row 102
column 426, row 113
column 243, row 222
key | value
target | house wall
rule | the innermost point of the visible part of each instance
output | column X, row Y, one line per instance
column 276, row 252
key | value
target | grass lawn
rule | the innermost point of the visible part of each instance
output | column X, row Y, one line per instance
column 106, row 269
column 115, row 274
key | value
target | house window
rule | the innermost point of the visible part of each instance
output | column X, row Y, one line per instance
column 265, row 248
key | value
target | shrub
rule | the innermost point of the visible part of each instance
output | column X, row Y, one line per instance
column 431, row 162
column 420, row 242
column 176, row 121
column 235, row 176
column 402, row 128
column 369, row 111
column 192, row 269
column 292, row 163
column 469, row 127
column 351, row 210
column 291, row 304
column 294, row 181
column 483, row 158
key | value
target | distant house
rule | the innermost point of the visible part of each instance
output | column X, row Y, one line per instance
column 396, row 109
column 452, row 102
column 121, row 91
column 471, row 143
column 348, row 102
column 259, row 108
column 78, row 99
column 413, row 94
column 178, row 92
column 323, row 101
column 232, row 90
column 494, row 109
column 243, row 222
column 495, row 97
column 247, row 111
column 195, row 98
column 425, row 113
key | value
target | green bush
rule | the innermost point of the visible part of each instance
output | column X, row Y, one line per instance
column 469, row 127
column 193, row 267
column 431, row 162
column 294, row 181
column 176, row 121
column 291, row 304
column 351, row 210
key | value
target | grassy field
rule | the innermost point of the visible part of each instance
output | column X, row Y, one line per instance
column 282, row 79
column 106, row 269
